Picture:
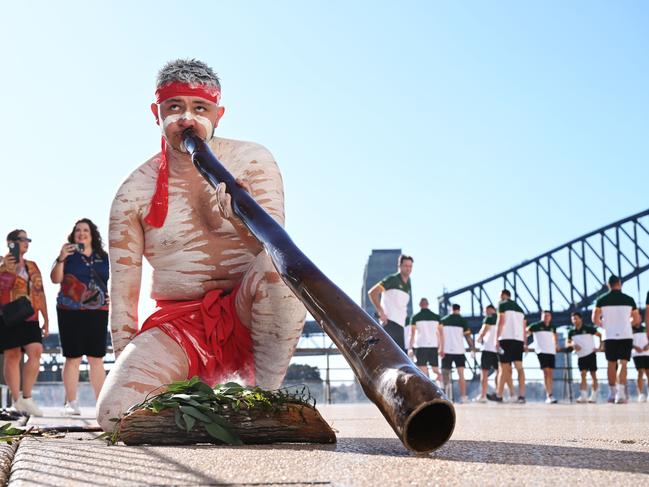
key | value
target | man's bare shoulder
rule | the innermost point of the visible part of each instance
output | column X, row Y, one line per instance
column 141, row 182
column 242, row 151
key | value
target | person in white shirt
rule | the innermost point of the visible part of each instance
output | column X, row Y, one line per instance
column 616, row 313
column 489, row 355
column 454, row 330
column 426, row 339
column 546, row 346
column 581, row 340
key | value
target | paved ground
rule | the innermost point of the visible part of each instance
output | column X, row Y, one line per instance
column 533, row 444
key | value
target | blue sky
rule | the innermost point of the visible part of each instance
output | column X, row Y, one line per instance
column 473, row 135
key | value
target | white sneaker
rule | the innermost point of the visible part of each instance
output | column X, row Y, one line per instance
column 27, row 406
column 550, row 400
column 642, row 398
column 464, row 399
column 620, row 396
column 593, row 397
column 480, row 399
column 71, row 408
column 583, row 398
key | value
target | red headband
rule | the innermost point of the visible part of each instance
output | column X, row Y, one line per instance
column 177, row 88
column 160, row 200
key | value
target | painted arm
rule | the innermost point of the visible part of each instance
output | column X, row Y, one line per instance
column 263, row 181
column 126, row 246
column 375, row 297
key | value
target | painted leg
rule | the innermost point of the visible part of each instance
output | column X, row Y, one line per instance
column 97, row 374
column 150, row 361
column 71, row 377
column 32, row 367
column 275, row 318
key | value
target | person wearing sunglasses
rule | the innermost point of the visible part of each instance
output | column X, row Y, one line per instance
column 20, row 280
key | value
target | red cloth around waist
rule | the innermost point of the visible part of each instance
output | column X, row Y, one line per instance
column 217, row 344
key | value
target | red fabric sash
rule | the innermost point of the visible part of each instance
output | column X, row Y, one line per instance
column 217, row 344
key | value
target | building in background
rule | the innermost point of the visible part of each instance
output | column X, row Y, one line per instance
column 380, row 263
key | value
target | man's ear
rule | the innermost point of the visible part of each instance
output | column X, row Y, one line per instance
column 219, row 113
column 154, row 109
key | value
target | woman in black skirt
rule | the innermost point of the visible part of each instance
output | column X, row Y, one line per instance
column 82, row 307
column 19, row 278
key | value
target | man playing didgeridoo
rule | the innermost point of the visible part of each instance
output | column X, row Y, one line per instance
column 223, row 311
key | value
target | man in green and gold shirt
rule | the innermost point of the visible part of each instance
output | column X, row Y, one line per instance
column 390, row 297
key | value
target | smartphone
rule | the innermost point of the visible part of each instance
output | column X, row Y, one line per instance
column 14, row 250
column 79, row 247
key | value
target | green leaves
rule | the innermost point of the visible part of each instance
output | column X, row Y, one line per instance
column 196, row 403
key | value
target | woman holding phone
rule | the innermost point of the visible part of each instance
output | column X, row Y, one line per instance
column 82, row 307
column 20, row 281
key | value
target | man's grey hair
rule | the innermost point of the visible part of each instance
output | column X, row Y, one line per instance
column 190, row 71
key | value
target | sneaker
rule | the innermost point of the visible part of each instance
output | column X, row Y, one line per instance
column 550, row 400
column 464, row 400
column 593, row 397
column 71, row 408
column 493, row 397
column 480, row 399
column 642, row 398
column 27, row 406
column 620, row 396
column 583, row 398
column 520, row 400
column 611, row 398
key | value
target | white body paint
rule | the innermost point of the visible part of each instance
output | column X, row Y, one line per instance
column 204, row 121
column 196, row 250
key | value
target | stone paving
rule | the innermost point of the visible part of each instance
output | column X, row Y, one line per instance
column 532, row 444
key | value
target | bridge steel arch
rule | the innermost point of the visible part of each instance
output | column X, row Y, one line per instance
column 567, row 278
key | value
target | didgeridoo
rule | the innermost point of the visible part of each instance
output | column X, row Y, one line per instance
column 419, row 412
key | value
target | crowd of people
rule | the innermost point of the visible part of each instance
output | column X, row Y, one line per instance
column 82, row 270
column 426, row 337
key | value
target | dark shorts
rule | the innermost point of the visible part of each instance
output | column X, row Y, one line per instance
column 395, row 330
column 546, row 360
column 449, row 358
column 641, row 362
column 19, row 335
column 488, row 360
column 512, row 351
column 83, row 332
column 426, row 356
column 589, row 362
column 618, row 349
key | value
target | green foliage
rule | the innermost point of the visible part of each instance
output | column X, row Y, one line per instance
column 196, row 403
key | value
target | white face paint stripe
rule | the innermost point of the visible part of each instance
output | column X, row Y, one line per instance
column 204, row 121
